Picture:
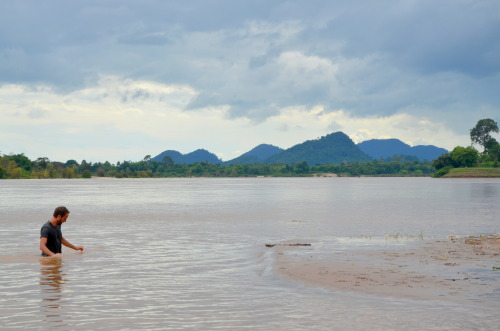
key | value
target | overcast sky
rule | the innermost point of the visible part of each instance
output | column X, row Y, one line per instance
column 119, row 80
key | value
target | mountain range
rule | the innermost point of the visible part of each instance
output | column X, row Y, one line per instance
column 387, row 148
column 199, row 155
column 333, row 148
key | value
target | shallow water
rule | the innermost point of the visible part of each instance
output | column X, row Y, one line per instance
column 190, row 253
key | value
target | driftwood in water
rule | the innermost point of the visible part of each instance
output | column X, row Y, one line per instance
column 272, row 245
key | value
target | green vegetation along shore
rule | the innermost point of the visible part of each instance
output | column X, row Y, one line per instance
column 19, row 166
column 473, row 173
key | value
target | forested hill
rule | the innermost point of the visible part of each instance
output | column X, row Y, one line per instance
column 387, row 148
column 199, row 155
column 333, row 148
column 257, row 155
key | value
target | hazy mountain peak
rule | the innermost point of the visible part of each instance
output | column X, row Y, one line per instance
column 387, row 148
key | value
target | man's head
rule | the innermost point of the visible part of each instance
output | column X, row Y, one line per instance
column 61, row 214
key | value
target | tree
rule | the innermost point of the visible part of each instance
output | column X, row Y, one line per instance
column 71, row 163
column 480, row 134
column 42, row 162
column 100, row 172
column 167, row 161
column 492, row 148
column 22, row 161
column 70, row 172
column 443, row 161
column 492, row 142
column 464, row 156
column 84, row 166
column 301, row 167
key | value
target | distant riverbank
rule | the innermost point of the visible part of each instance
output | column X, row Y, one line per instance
column 473, row 173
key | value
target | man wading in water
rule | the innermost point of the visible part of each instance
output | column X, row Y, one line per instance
column 51, row 236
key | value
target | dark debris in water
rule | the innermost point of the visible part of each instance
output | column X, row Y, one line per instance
column 466, row 278
column 272, row 245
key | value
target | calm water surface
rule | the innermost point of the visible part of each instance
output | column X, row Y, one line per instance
column 190, row 253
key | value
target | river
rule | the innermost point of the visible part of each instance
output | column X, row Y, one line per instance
column 190, row 254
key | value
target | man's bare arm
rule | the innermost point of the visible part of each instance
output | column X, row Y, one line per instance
column 70, row 245
column 43, row 247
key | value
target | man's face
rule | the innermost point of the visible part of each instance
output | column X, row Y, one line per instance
column 61, row 219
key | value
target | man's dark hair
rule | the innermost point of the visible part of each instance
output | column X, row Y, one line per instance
column 61, row 211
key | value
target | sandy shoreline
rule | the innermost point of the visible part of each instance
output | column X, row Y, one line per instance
column 462, row 270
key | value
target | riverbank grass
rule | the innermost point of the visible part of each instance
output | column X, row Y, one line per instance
column 476, row 172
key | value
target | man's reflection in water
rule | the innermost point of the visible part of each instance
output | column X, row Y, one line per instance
column 51, row 283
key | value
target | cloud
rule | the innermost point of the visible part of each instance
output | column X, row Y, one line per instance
column 244, row 64
column 116, row 112
column 120, row 115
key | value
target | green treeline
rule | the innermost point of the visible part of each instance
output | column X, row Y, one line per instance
column 19, row 166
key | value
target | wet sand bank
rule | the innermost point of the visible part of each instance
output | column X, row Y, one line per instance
column 463, row 270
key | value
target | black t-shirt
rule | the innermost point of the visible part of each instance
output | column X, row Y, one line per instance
column 53, row 235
